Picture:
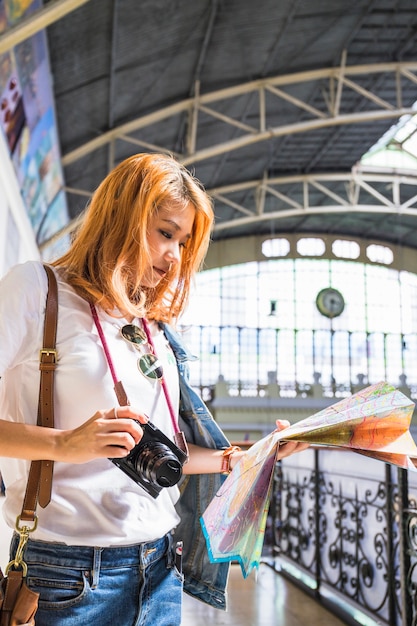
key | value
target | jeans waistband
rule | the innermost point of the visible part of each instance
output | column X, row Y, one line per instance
column 85, row 557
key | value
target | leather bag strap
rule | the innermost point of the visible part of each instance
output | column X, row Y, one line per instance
column 39, row 484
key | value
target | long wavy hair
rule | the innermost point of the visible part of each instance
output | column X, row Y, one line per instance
column 109, row 254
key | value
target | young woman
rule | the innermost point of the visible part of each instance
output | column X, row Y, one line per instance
column 104, row 547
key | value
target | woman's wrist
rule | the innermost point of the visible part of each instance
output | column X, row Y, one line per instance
column 227, row 459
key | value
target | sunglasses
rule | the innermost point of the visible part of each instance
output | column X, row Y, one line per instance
column 148, row 363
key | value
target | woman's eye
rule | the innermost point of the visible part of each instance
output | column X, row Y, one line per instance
column 165, row 234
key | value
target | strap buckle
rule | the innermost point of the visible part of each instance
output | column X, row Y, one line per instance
column 48, row 352
column 24, row 532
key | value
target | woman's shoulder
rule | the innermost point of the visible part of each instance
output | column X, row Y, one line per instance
column 25, row 284
column 22, row 304
column 29, row 270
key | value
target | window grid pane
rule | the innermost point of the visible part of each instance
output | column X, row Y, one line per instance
column 255, row 322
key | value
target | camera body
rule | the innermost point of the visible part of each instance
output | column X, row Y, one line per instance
column 155, row 462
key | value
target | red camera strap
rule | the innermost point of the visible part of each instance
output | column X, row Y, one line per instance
column 163, row 381
column 118, row 385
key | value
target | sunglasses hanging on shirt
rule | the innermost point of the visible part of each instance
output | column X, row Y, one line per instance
column 148, row 363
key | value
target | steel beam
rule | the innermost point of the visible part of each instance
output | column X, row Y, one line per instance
column 211, row 104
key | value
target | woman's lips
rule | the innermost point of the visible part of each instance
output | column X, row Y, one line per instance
column 160, row 272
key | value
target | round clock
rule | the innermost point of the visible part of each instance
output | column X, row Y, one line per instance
column 330, row 302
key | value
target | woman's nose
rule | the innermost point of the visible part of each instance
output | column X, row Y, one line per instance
column 174, row 252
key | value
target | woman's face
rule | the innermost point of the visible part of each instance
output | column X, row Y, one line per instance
column 168, row 232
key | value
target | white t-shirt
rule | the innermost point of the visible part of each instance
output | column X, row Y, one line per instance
column 92, row 503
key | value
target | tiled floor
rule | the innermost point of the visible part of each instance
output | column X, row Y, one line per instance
column 265, row 600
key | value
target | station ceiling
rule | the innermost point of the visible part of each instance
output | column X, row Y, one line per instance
column 271, row 103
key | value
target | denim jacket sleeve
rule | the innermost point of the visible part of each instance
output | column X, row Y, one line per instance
column 205, row 580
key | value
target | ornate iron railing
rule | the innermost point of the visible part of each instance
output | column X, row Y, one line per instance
column 344, row 527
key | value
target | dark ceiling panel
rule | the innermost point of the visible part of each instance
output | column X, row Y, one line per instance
column 114, row 61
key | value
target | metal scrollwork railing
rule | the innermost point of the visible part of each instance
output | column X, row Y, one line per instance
column 349, row 534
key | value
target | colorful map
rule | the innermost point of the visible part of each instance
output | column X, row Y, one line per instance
column 374, row 422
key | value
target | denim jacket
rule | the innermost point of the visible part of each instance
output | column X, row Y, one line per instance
column 205, row 580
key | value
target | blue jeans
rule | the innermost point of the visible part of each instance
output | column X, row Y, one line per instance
column 136, row 585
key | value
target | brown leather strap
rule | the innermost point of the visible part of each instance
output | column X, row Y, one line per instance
column 121, row 394
column 40, row 474
column 11, row 591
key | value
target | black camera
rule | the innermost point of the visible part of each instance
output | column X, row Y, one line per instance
column 155, row 462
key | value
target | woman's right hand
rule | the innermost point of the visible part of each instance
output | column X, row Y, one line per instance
column 112, row 433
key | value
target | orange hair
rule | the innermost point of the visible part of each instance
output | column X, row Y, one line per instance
column 109, row 254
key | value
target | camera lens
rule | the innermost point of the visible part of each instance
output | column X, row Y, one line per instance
column 157, row 464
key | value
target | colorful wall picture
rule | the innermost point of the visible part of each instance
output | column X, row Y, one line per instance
column 39, row 173
column 12, row 114
column 53, row 221
column 28, row 122
column 33, row 66
column 15, row 9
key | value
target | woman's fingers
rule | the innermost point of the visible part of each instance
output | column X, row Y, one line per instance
column 126, row 411
column 288, row 448
column 103, row 435
column 281, row 424
column 124, row 429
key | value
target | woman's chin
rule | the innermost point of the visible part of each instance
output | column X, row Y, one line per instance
column 151, row 282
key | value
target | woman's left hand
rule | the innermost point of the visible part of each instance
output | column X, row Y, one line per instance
column 288, row 448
